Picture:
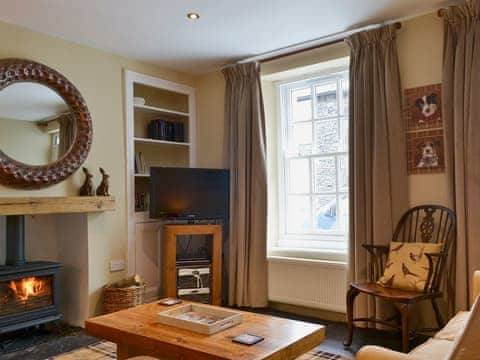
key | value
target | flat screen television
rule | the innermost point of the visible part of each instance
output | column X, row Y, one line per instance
column 189, row 193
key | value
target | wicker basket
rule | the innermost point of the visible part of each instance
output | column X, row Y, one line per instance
column 121, row 296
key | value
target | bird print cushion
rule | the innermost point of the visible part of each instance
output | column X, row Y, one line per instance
column 407, row 265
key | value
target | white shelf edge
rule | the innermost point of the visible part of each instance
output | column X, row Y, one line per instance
column 160, row 110
column 165, row 142
column 142, row 175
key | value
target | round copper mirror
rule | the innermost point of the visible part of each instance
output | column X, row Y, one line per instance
column 45, row 126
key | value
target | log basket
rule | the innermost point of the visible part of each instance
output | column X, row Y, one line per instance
column 123, row 295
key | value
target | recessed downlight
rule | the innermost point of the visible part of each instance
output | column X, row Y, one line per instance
column 193, row 16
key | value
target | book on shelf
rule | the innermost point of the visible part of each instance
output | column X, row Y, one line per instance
column 140, row 164
column 142, row 201
column 160, row 129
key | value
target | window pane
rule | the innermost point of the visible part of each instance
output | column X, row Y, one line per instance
column 343, row 173
column 326, row 100
column 302, row 139
column 324, row 172
column 301, row 101
column 299, row 176
column 343, row 212
column 344, row 83
column 326, row 136
column 343, row 135
column 298, row 214
column 325, row 212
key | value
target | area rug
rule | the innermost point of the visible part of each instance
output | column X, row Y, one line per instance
column 105, row 350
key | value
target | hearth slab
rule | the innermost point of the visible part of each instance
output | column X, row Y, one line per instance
column 30, row 323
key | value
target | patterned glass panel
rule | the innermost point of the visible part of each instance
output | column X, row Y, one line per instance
column 326, row 100
column 324, row 174
column 301, row 101
column 327, row 137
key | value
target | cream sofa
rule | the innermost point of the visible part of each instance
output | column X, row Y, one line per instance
column 458, row 340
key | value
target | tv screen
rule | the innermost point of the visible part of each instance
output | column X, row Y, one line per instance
column 189, row 193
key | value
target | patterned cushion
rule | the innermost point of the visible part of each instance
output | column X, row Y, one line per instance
column 407, row 266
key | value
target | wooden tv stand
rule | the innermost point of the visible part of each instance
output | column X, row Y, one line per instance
column 169, row 250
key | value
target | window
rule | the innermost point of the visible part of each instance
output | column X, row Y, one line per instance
column 55, row 144
column 314, row 165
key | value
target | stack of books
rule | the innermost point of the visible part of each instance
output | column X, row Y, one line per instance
column 142, row 201
column 166, row 130
column 140, row 164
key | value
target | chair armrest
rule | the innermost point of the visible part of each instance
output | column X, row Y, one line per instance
column 434, row 277
column 381, row 248
column 378, row 353
column 379, row 254
column 476, row 286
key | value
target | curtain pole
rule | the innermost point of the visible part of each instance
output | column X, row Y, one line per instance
column 303, row 47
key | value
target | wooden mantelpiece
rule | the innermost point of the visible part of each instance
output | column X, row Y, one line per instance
column 55, row 205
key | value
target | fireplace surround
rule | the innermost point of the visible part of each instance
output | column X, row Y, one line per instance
column 29, row 291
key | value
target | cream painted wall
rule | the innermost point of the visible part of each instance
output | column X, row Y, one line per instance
column 98, row 75
column 211, row 135
column 420, row 52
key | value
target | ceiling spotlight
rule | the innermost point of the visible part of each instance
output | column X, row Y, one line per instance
column 193, row 16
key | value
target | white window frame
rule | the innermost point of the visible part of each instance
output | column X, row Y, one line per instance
column 299, row 245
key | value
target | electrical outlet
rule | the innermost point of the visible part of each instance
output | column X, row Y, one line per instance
column 117, row 265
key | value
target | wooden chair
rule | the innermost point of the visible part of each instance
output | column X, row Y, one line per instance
column 427, row 223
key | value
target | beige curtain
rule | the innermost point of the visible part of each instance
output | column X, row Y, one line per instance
column 378, row 175
column 461, row 112
column 67, row 133
column 247, row 252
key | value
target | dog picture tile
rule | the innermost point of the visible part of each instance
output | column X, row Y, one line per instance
column 423, row 107
column 425, row 152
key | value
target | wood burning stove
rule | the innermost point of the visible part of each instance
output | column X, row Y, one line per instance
column 29, row 291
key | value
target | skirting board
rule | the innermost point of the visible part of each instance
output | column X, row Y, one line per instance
column 309, row 312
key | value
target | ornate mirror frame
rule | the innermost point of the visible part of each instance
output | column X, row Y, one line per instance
column 19, row 175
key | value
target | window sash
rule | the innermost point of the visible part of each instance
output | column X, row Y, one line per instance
column 314, row 238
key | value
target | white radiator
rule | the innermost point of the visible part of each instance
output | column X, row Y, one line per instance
column 308, row 283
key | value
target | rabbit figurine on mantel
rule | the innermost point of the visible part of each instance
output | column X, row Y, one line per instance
column 87, row 188
column 102, row 189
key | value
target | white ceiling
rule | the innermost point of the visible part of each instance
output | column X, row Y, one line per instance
column 157, row 31
column 30, row 102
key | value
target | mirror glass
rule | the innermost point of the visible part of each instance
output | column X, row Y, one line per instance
column 36, row 125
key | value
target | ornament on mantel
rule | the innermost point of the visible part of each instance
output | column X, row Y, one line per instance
column 102, row 189
column 87, row 187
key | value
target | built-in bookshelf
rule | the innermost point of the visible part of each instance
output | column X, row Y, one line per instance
column 160, row 131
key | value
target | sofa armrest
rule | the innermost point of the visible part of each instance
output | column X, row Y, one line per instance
column 379, row 353
column 476, row 286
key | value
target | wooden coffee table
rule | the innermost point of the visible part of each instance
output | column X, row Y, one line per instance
column 136, row 332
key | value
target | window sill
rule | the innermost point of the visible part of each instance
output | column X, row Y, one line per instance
column 309, row 262
column 299, row 254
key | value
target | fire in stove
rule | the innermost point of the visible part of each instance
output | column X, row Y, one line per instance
column 28, row 293
column 29, row 287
